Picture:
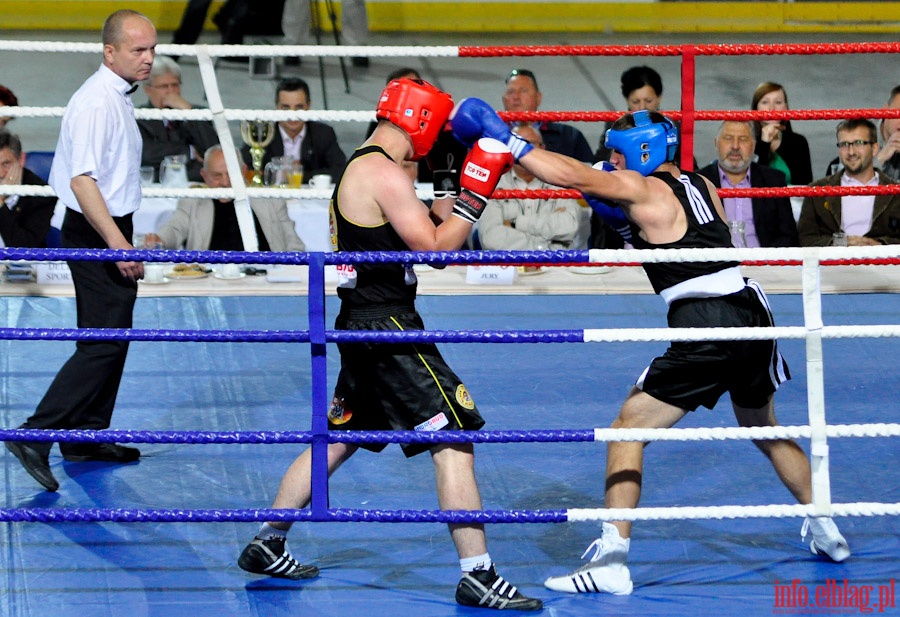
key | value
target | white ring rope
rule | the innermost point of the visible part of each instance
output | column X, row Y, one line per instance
column 409, row 51
column 722, row 512
column 738, row 432
column 274, row 115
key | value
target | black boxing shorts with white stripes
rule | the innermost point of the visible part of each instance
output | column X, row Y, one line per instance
column 697, row 373
column 396, row 386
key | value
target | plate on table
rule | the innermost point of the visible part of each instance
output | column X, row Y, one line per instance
column 188, row 272
column 164, row 281
column 589, row 269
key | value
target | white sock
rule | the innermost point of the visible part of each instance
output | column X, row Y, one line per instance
column 479, row 562
column 267, row 532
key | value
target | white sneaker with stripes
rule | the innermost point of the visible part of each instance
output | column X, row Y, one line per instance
column 606, row 571
column 826, row 539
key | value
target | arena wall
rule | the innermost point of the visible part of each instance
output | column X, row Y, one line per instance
column 473, row 16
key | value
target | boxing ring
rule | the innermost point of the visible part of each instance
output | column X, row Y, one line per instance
column 240, row 380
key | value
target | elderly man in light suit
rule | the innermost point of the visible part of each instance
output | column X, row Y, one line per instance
column 201, row 224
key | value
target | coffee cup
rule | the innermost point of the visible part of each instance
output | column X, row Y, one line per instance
column 320, row 181
column 231, row 271
column 153, row 273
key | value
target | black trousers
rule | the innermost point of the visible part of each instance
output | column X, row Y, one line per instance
column 83, row 394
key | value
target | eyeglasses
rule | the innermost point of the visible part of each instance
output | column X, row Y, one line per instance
column 523, row 73
column 859, row 143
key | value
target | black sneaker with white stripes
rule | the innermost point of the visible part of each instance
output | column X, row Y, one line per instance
column 487, row 589
column 272, row 557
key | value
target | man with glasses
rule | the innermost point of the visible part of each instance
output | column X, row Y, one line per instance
column 522, row 94
column 163, row 138
column 867, row 220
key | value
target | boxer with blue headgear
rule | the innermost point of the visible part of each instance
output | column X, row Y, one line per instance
column 670, row 208
column 651, row 141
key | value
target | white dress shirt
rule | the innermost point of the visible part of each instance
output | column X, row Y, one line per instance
column 99, row 137
column 292, row 146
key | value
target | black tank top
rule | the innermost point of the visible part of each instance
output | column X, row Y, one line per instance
column 368, row 284
column 705, row 229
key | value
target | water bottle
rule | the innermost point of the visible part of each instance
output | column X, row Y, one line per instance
column 738, row 239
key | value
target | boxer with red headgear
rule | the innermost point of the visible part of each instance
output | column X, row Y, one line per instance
column 416, row 107
column 385, row 386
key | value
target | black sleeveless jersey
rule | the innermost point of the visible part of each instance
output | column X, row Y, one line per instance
column 373, row 283
column 705, row 229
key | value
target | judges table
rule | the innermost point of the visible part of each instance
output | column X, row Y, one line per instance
column 452, row 281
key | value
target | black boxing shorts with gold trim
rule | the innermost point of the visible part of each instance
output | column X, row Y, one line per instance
column 402, row 387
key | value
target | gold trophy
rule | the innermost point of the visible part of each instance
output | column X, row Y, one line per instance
column 257, row 134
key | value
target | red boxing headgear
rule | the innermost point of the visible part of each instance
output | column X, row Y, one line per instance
column 418, row 108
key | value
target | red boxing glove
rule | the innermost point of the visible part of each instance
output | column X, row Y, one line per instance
column 487, row 161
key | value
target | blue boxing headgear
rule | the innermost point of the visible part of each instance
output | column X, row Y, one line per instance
column 647, row 145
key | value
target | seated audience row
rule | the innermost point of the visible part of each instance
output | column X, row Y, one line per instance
column 206, row 224
column 764, row 153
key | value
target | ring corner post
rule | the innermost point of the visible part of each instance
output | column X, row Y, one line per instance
column 318, row 351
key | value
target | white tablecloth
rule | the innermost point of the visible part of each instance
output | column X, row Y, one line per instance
column 310, row 218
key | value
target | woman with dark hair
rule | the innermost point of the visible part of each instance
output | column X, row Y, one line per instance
column 7, row 98
column 642, row 88
column 777, row 145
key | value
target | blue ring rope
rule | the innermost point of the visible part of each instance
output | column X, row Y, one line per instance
column 340, row 515
column 283, row 437
column 295, row 258
column 293, row 336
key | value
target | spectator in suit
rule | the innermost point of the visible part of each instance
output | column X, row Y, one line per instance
column 314, row 144
column 889, row 153
column 868, row 220
column 166, row 137
column 24, row 220
column 777, row 145
column 204, row 224
column 7, row 98
column 768, row 221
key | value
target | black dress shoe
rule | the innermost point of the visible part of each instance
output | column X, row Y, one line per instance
column 35, row 463
column 106, row 452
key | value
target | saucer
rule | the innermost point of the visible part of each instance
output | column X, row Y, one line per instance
column 165, row 280
column 589, row 269
column 222, row 277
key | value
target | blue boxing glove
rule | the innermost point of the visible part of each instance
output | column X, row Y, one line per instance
column 612, row 216
column 473, row 119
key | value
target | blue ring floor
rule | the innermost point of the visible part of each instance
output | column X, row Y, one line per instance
column 705, row 567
